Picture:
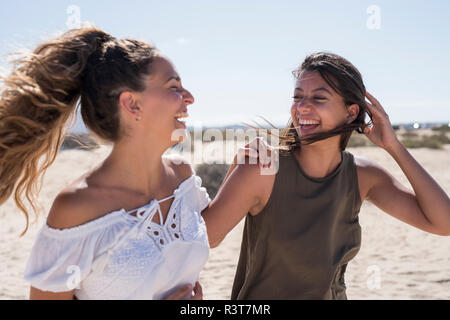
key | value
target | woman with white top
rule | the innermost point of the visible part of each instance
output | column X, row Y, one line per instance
column 131, row 227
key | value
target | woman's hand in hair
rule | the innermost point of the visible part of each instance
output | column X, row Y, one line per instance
column 381, row 133
column 256, row 151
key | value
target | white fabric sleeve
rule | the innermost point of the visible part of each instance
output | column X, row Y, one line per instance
column 60, row 259
column 201, row 194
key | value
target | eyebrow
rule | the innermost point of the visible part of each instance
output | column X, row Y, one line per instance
column 318, row 89
column 174, row 77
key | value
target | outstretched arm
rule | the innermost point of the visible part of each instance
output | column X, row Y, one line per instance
column 428, row 206
column 239, row 194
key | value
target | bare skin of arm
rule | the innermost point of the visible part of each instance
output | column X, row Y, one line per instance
column 245, row 191
column 427, row 206
column 36, row 294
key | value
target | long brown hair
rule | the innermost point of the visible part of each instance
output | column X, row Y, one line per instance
column 84, row 67
column 345, row 79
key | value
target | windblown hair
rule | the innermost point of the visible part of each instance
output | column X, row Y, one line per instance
column 84, row 67
column 346, row 81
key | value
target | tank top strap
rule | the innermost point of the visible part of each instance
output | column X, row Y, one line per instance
column 284, row 180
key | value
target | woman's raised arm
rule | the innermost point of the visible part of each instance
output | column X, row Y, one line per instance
column 428, row 207
column 242, row 191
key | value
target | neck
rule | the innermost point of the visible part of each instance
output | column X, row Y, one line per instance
column 135, row 167
column 319, row 159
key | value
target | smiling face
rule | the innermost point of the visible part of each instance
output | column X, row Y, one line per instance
column 316, row 106
column 163, row 103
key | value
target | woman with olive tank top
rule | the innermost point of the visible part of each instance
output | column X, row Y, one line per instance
column 303, row 238
column 301, row 227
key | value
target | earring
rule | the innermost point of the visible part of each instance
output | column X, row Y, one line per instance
column 138, row 119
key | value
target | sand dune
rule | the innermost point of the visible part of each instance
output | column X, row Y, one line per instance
column 396, row 261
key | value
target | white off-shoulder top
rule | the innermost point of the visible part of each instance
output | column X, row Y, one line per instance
column 125, row 256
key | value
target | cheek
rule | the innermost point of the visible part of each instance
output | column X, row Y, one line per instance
column 331, row 113
column 162, row 104
column 172, row 96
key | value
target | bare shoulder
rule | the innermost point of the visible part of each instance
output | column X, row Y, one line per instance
column 258, row 182
column 72, row 207
column 255, row 172
column 84, row 201
column 78, row 203
column 369, row 174
column 368, row 167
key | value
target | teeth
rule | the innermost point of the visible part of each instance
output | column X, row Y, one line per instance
column 181, row 115
column 304, row 122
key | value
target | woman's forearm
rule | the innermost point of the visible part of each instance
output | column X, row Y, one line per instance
column 233, row 166
column 431, row 198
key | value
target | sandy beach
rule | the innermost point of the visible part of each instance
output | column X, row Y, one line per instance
column 396, row 261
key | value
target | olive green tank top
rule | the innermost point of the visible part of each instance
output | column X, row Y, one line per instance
column 299, row 245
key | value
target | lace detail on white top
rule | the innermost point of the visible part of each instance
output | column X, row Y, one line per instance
column 125, row 256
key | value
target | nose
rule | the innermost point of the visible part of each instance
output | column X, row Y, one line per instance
column 303, row 106
column 188, row 98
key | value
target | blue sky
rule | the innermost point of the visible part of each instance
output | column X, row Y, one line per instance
column 236, row 57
